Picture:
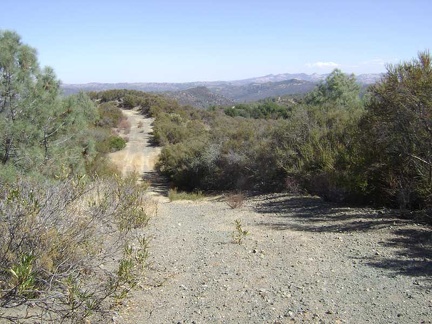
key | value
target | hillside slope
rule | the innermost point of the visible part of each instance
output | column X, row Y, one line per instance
column 200, row 97
column 257, row 91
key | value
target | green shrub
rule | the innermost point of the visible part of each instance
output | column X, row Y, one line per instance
column 116, row 143
column 110, row 115
column 112, row 143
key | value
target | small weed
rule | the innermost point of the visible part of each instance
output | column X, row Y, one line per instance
column 239, row 233
column 22, row 274
column 173, row 195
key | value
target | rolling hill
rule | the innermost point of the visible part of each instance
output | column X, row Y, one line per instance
column 221, row 93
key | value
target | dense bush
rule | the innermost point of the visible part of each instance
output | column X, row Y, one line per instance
column 233, row 152
column 265, row 110
column 331, row 144
column 147, row 103
column 110, row 115
column 397, row 136
column 116, row 143
column 216, row 152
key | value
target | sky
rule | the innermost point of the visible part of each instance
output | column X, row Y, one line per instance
column 184, row 41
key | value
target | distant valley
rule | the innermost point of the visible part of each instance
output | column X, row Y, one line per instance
column 224, row 93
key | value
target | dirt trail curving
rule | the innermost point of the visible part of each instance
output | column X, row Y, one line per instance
column 303, row 261
column 139, row 155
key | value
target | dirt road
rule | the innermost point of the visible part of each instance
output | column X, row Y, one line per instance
column 139, row 155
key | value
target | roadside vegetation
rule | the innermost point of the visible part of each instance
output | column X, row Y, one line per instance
column 334, row 142
column 70, row 247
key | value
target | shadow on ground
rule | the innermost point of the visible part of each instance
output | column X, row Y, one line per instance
column 158, row 183
column 412, row 243
column 413, row 256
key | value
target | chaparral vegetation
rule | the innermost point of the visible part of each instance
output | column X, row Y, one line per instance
column 70, row 241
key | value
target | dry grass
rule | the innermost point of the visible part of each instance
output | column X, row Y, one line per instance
column 173, row 195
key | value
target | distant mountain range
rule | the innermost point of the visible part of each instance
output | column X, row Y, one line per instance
column 222, row 93
column 201, row 97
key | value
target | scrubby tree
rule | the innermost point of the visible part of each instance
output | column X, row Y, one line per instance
column 316, row 143
column 338, row 88
column 398, row 134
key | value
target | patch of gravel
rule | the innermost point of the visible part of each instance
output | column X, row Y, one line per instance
column 303, row 261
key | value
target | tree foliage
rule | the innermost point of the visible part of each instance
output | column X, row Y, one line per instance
column 398, row 134
column 338, row 88
column 39, row 131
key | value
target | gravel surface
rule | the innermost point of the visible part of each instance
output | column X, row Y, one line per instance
column 303, row 260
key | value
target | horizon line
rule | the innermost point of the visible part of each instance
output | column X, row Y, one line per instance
column 197, row 81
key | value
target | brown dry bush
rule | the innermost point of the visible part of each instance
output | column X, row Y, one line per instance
column 125, row 126
column 69, row 250
column 235, row 200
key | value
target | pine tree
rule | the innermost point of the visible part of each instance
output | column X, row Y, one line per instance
column 39, row 130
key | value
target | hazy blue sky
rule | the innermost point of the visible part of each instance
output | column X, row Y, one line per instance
column 178, row 41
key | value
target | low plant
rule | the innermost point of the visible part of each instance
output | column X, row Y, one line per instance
column 173, row 195
column 23, row 278
column 71, row 249
column 239, row 234
column 112, row 143
column 116, row 143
